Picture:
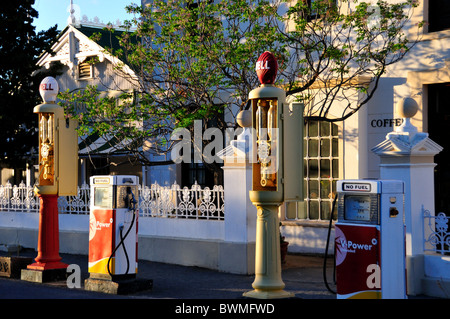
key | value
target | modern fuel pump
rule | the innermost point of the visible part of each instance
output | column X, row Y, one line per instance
column 370, row 240
column 113, row 226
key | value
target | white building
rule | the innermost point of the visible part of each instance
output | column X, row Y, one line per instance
column 343, row 150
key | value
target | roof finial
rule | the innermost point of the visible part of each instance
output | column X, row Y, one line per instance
column 72, row 20
column 72, row 17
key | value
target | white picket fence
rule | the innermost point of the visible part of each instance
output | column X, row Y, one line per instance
column 154, row 201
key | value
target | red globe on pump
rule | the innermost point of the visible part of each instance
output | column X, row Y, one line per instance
column 266, row 68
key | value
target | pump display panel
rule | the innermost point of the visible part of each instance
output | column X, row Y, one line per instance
column 103, row 197
column 359, row 208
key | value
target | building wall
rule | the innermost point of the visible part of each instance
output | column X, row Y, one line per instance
column 427, row 63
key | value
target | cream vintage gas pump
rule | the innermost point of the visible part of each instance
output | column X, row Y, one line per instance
column 370, row 240
column 272, row 173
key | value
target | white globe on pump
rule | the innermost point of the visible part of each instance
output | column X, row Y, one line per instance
column 49, row 89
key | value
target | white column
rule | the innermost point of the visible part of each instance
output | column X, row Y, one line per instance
column 408, row 155
column 240, row 213
column 237, row 252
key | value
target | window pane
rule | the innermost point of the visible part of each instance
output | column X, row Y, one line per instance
column 313, row 129
column 335, row 147
column 324, row 129
column 325, row 210
column 325, row 147
column 325, row 168
column 333, row 184
column 305, row 168
column 325, row 189
column 314, row 210
column 313, row 146
column 305, row 143
column 313, row 168
column 334, row 130
column 335, row 168
column 313, row 189
column 305, row 189
column 301, row 210
column 439, row 15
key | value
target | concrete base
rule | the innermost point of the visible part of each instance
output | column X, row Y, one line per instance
column 268, row 294
column 117, row 287
column 232, row 257
column 42, row 276
column 12, row 266
column 436, row 287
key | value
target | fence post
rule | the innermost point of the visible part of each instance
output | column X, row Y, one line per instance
column 408, row 155
column 237, row 252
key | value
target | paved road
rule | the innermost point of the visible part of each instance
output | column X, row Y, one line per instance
column 178, row 289
column 301, row 274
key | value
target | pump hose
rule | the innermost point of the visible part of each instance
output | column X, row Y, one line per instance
column 122, row 238
column 326, row 249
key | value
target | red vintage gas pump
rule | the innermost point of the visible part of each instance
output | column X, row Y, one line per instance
column 58, row 176
column 370, row 240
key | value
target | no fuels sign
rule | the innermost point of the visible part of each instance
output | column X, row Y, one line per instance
column 358, row 187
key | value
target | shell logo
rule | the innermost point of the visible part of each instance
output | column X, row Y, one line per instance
column 92, row 227
column 49, row 89
column 95, row 225
column 266, row 68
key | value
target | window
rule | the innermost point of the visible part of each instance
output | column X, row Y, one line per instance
column 313, row 13
column 85, row 69
column 438, row 123
column 438, row 15
column 195, row 17
column 202, row 173
column 321, row 164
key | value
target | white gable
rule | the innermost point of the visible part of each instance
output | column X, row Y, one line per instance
column 73, row 47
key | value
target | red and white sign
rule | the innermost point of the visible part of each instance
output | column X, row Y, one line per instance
column 358, row 261
column 266, row 68
column 49, row 89
column 101, row 240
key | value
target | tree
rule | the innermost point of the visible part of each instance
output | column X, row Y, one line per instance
column 20, row 47
column 339, row 51
column 196, row 60
column 192, row 60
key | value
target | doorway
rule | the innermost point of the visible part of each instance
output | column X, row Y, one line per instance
column 438, row 129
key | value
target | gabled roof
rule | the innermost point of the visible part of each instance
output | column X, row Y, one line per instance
column 73, row 45
column 108, row 39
